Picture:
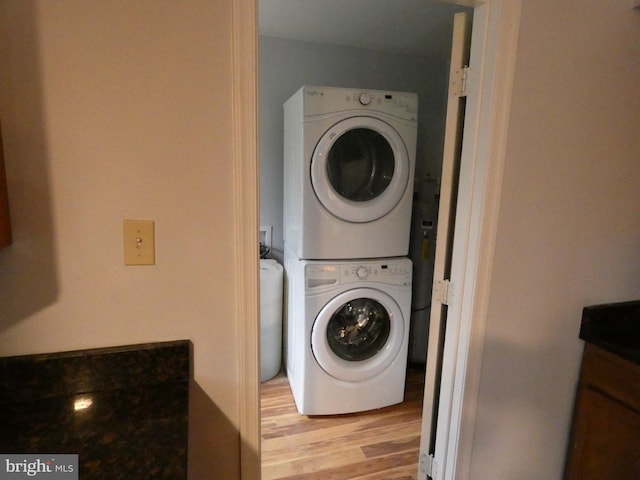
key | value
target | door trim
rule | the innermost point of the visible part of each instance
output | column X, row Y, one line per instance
column 437, row 397
column 493, row 58
column 497, row 58
column 244, row 99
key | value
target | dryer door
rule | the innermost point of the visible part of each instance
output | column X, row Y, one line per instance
column 360, row 169
column 357, row 334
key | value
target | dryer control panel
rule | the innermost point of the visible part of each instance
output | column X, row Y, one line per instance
column 332, row 100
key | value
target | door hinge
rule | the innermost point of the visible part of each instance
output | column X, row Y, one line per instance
column 458, row 85
column 428, row 465
column 443, row 291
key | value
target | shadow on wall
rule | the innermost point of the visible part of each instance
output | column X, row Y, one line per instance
column 28, row 279
column 526, row 402
column 210, row 437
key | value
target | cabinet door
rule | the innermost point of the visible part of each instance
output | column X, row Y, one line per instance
column 606, row 439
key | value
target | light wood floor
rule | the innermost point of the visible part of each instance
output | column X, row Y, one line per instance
column 376, row 445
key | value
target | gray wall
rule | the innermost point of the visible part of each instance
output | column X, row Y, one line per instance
column 287, row 65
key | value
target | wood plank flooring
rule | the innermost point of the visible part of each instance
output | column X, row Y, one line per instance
column 377, row 445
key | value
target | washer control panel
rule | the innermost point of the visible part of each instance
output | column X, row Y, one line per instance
column 390, row 272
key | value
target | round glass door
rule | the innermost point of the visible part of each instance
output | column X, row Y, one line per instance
column 360, row 165
column 360, row 169
column 359, row 329
column 357, row 334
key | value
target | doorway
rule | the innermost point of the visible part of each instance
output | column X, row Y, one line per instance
column 285, row 64
column 496, row 60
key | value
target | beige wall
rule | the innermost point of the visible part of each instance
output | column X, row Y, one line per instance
column 120, row 109
column 117, row 110
column 569, row 226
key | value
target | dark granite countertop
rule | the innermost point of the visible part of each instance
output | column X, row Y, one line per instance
column 615, row 327
column 122, row 410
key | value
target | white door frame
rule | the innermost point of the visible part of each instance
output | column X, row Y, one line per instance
column 499, row 20
column 244, row 100
column 437, row 395
column 496, row 56
column 492, row 62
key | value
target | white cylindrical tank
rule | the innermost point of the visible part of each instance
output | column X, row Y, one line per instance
column 271, row 281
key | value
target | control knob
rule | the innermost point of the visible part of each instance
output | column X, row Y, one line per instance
column 365, row 98
column 362, row 272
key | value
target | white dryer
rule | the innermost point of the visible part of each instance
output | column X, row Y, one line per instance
column 347, row 333
column 349, row 162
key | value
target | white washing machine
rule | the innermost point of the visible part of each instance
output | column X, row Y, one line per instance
column 349, row 162
column 347, row 333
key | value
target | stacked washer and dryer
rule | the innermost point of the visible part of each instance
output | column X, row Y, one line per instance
column 349, row 161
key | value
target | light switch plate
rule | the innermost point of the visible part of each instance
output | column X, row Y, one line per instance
column 139, row 242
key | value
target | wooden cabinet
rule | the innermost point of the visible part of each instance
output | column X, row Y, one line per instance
column 605, row 438
column 5, row 223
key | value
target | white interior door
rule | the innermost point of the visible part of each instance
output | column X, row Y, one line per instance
column 443, row 289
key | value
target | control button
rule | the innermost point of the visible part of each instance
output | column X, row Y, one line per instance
column 365, row 98
column 362, row 272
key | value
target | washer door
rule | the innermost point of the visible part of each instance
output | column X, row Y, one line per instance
column 360, row 169
column 357, row 334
